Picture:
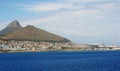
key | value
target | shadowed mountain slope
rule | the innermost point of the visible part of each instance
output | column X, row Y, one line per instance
column 10, row 28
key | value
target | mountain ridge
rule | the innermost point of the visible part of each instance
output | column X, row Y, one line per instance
column 31, row 33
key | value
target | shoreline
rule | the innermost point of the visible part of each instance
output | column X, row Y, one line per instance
column 56, row 51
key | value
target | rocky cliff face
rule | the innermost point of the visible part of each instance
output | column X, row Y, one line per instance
column 15, row 25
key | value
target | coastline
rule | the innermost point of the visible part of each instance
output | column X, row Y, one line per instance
column 56, row 51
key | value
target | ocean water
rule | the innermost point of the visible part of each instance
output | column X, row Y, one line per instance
column 61, row 61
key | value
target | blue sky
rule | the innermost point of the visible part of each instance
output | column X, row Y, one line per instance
column 81, row 21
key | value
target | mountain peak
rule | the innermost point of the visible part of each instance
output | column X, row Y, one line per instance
column 29, row 26
column 14, row 25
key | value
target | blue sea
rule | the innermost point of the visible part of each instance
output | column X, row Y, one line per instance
column 61, row 61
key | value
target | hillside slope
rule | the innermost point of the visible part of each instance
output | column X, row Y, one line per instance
column 33, row 34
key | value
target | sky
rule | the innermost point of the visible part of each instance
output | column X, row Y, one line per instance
column 81, row 21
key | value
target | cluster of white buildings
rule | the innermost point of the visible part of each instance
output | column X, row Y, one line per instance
column 24, row 45
column 31, row 45
column 43, row 46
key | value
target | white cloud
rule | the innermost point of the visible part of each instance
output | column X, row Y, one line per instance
column 118, row 19
column 38, row 21
column 86, row 1
column 63, row 4
column 48, row 6
column 65, row 21
column 70, row 15
column 77, row 20
column 100, row 17
column 86, row 12
column 81, row 33
column 108, row 6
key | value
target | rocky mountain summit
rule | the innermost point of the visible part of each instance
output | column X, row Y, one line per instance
column 13, row 26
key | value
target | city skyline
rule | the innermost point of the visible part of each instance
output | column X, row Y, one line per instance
column 81, row 21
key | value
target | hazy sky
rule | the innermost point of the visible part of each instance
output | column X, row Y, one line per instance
column 81, row 21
